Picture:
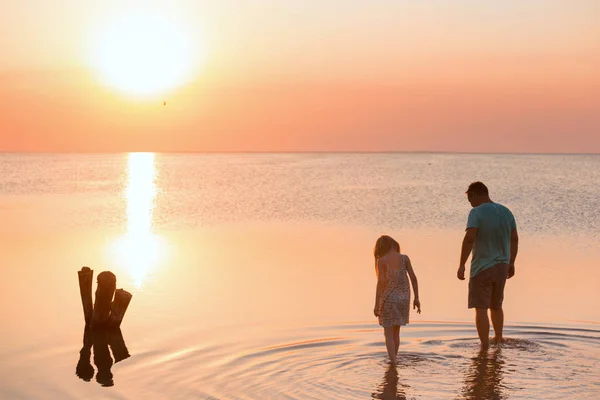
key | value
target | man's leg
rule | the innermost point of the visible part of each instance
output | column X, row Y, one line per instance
column 480, row 291
column 497, row 315
column 483, row 326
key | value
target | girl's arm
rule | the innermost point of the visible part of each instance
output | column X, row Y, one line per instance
column 414, row 283
column 381, row 281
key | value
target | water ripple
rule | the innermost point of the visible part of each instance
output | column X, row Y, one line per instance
column 432, row 364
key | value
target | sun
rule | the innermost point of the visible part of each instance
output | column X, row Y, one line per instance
column 144, row 55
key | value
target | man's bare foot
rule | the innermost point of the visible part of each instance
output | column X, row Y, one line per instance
column 485, row 344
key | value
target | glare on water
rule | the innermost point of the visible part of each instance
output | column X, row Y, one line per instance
column 140, row 249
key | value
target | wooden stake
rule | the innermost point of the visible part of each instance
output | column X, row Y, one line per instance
column 107, row 283
column 119, row 307
column 86, row 276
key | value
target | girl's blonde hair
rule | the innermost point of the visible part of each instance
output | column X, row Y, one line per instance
column 382, row 246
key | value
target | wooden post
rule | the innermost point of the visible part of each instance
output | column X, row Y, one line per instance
column 86, row 276
column 119, row 306
column 107, row 283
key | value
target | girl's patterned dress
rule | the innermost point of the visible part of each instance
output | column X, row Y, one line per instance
column 394, row 305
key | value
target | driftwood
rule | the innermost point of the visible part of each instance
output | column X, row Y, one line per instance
column 86, row 277
column 104, row 312
column 107, row 283
column 102, row 321
column 119, row 307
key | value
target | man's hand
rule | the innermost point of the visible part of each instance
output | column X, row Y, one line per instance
column 511, row 271
column 376, row 311
column 460, row 274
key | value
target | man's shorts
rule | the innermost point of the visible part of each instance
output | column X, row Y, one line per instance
column 486, row 289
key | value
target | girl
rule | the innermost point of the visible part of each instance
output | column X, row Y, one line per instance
column 392, row 297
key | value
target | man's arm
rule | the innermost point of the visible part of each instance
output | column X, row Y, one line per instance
column 514, row 249
column 467, row 246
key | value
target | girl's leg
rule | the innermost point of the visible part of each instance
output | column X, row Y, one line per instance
column 389, row 343
column 396, row 338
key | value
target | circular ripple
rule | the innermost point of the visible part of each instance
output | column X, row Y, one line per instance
column 352, row 364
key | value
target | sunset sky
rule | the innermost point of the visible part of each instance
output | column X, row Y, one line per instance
column 300, row 75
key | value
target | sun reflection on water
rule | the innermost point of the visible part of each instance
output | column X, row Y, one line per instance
column 140, row 249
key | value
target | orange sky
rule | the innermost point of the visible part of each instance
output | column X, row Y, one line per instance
column 314, row 76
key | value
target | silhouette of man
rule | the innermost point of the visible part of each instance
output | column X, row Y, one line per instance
column 492, row 236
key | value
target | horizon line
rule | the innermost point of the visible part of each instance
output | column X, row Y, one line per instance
column 207, row 152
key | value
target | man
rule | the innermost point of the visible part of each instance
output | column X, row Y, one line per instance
column 492, row 236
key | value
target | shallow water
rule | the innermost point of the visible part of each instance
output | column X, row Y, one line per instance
column 249, row 274
column 436, row 360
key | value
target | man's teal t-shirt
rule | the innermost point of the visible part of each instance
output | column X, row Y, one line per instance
column 492, row 244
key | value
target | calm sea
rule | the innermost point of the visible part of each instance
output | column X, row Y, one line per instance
column 252, row 276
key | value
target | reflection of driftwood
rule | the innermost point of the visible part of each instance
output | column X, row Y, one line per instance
column 84, row 368
column 86, row 276
column 107, row 283
column 119, row 306
column 104, row 341
column 117, row 345
column 102, row 358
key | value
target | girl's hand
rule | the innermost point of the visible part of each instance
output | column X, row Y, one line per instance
column 417, row 305
column 376, row 312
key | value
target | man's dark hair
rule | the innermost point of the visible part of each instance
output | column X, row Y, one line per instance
column 478, row 189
